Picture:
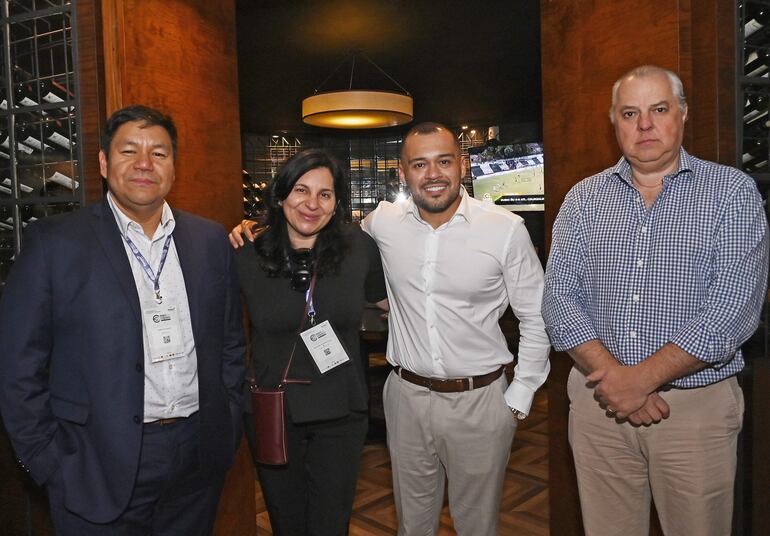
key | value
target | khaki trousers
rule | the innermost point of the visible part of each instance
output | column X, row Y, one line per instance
column 464, row 436
column 686, row 462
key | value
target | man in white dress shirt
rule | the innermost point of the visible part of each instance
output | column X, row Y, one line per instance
column 453, row 264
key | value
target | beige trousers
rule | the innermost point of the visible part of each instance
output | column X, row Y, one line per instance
column 464, row 436
column 686, row 462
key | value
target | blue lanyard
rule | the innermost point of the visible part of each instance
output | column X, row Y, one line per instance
column 310, row 307
column 155, row 279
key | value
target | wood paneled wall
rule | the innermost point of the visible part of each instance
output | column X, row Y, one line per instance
column 586, row 46
column 180, row 56
column 90, row 93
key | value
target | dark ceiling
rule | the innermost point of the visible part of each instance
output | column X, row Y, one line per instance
column 471, row 62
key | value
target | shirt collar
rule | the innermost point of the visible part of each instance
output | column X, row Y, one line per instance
column 167, row 222
column 623, row 168
column 463, row 209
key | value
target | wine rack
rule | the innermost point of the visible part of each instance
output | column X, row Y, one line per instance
column 39, row 151
column 754, row 91
column 254, row 207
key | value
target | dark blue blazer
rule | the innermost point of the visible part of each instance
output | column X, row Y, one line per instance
column 71, row 354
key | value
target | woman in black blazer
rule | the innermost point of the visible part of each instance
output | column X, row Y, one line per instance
column 326, row 425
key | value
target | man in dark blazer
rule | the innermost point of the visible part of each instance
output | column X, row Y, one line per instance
column 122, row 352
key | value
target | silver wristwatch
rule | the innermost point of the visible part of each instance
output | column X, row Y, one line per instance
column 520, row 416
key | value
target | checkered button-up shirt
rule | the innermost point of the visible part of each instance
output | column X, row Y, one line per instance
column 690, row 270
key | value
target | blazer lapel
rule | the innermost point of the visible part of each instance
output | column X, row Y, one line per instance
column 189, row 260
column 106, row 229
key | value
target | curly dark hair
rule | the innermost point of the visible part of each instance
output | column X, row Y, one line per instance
column 330, row 248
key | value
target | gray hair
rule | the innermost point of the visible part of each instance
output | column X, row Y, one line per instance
column 647, row 70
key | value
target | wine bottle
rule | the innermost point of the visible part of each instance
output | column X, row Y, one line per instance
column 24, row 95
column 23, row 187
column 755, row 155
column 53, row 92
column 57, row 132
column 5, row 141
column 756, row 105
column 757, row 18
column 63, row 180
column 756, row 64
column 21, row 75
column 31, row 135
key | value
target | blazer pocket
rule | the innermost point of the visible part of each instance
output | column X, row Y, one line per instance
column 69, row 411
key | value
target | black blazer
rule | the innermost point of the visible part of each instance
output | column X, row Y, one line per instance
column 275, row 311
column 71, row 354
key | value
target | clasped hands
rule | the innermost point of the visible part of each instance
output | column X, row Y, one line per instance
column 626, row 396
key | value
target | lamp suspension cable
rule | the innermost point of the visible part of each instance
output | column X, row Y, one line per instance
column 353, row 108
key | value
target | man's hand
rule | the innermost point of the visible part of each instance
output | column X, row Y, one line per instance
column 245, row 228
column 619, row 388
column 653, row 411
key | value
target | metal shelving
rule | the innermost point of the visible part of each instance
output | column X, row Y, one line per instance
column 39, row 152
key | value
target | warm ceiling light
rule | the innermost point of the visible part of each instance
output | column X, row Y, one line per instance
column 358, row 108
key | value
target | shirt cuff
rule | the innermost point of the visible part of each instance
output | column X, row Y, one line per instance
column 705, row 344
column 519, row 396
column 565, row 337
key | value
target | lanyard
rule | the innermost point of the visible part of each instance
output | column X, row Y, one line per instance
column 155, row 279
column 309, row 302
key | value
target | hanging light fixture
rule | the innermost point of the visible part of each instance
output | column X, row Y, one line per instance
column 357, row 108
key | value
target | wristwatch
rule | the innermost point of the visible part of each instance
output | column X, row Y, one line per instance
column 519, row 415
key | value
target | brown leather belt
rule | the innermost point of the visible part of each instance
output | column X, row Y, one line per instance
column 454, row 385
column 172, row 420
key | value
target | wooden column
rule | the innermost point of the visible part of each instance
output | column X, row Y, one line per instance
column 586, row 46
column 180, row 56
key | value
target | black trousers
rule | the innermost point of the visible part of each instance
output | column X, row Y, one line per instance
column 313, row 494
column 170, row 497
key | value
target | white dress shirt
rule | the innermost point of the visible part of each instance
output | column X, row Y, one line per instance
column 448, row 288
column 171, row 386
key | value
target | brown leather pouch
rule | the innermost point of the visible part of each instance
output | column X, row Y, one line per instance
column 270, row 425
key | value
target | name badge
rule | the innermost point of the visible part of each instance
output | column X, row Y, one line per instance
column 164, row 330
column 324, row 346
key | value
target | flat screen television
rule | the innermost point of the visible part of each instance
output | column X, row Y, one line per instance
column 509, row 175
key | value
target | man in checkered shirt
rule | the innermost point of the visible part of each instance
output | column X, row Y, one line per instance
column 657, row 275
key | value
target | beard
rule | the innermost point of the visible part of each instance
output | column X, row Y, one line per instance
column 435, row 205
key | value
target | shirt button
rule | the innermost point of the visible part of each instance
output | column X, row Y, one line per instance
column 640, row 263
column 632, row 334
column 635, row 297
column 137, row 420
column 644, row 229
column 139, row 367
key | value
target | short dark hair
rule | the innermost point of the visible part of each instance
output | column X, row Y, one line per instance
column 273, row 244
column 149, row 116
column 427, row 127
